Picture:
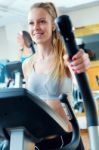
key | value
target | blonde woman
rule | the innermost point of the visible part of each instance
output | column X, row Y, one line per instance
column 48, row 71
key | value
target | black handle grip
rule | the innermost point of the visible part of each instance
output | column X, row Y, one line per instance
column 76, row 132
column 64, row 26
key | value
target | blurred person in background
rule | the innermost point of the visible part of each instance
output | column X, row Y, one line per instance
column 26, row 47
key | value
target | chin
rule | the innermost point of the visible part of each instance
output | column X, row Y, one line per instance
column 40, row 41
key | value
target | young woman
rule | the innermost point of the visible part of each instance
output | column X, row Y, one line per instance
column 26, row 45
column 47, row 71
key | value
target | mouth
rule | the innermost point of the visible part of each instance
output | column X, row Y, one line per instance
column 38, row 34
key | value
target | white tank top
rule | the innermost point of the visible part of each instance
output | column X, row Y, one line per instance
column 46, row 89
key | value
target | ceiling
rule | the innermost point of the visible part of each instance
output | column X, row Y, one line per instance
column 16, row 10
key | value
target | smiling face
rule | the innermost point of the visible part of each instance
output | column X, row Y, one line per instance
column 40, row 26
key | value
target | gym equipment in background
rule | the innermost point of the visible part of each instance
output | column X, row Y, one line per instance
column 14, row 73
column 78, row 103
column 3, row 62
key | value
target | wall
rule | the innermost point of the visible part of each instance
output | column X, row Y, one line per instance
column 3, row 40
column 8, row 40
column 85, row 16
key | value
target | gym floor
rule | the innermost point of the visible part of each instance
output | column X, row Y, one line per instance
column 85, row 138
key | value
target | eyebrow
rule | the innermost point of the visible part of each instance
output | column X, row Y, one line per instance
column 38, row 19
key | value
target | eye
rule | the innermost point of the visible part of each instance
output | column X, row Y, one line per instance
column 42, row 21
column 31, row 23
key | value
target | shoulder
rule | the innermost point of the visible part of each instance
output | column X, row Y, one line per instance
column 28, row 61
column 27, row 66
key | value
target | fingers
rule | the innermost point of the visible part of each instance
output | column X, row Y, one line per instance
column 79, row 54
column 80, row 61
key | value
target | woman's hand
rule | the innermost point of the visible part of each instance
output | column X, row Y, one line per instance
column 80, row 62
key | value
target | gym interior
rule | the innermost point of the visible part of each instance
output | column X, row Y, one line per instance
column 84, row 16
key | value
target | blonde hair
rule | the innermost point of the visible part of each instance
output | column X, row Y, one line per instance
column 58, row 46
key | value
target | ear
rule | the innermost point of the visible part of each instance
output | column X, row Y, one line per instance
column 54, row 27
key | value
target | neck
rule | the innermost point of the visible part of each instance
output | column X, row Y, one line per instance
column 44, row 51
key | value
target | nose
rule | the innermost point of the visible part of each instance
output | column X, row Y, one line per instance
column 36, row 26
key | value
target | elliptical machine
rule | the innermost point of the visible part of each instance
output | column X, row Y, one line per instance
column 64, row 26
column 26, row 119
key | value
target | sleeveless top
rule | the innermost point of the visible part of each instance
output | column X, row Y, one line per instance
column 48, row 89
